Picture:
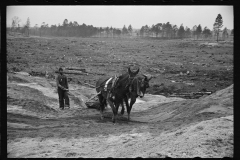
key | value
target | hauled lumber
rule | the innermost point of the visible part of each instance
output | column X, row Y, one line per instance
column 91, row 98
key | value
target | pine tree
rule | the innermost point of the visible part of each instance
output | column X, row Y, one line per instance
column 181, row 31
column 130, row 29
column 158, row 28
column 206, row 32
column 225, row 33
column 218, row 25
column 199, row 30
column 146, row 30
column 142, row 31
column 124, row 30
column 194, row 29
column 111, row 31
column 107, row 30
column 187, row 32
column 174, row 29
column 28, row 26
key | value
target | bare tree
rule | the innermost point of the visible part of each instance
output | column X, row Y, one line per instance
column 27, row 26
column 194, row 29
column 15, row 22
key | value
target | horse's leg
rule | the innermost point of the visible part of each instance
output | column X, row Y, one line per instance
column 133, row 100
column 113, row 110
column 122, row 111
column 125, row 99
column 101, row 100
column 127, row 106
column 104, row 103
column 117, row 106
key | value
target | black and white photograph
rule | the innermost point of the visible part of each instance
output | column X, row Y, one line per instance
column 100, row 81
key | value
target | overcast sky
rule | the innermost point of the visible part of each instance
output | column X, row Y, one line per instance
column 117, row 16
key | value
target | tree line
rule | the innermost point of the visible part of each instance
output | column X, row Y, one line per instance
column 168, row 30
column 163, row 30
column 73, row 29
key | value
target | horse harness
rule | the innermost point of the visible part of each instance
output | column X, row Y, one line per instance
column 115, row 80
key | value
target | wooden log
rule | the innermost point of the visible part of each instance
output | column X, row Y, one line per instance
column 191, row 95
column 90, row 85
column 73, row 72
column 203, row 93
column 98, row 73
column 76, row 68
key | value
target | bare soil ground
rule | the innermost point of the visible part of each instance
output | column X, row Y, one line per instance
column 210, row 65
column 160, row 126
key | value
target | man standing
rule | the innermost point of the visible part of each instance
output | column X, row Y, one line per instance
column 62, row 88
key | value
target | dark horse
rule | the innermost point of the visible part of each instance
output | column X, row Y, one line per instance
column 114, row 95
column 137, row 88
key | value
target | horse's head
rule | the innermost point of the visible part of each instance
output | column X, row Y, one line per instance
column 131, row 73
column 124, row 81
column 144, row 84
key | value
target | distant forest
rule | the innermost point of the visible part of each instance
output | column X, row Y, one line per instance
column 159, row 30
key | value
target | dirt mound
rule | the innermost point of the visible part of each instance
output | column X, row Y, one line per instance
column 222, row 95
column 17, row 78
column 205, row 139
column 37, row 96
column 188, row 111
